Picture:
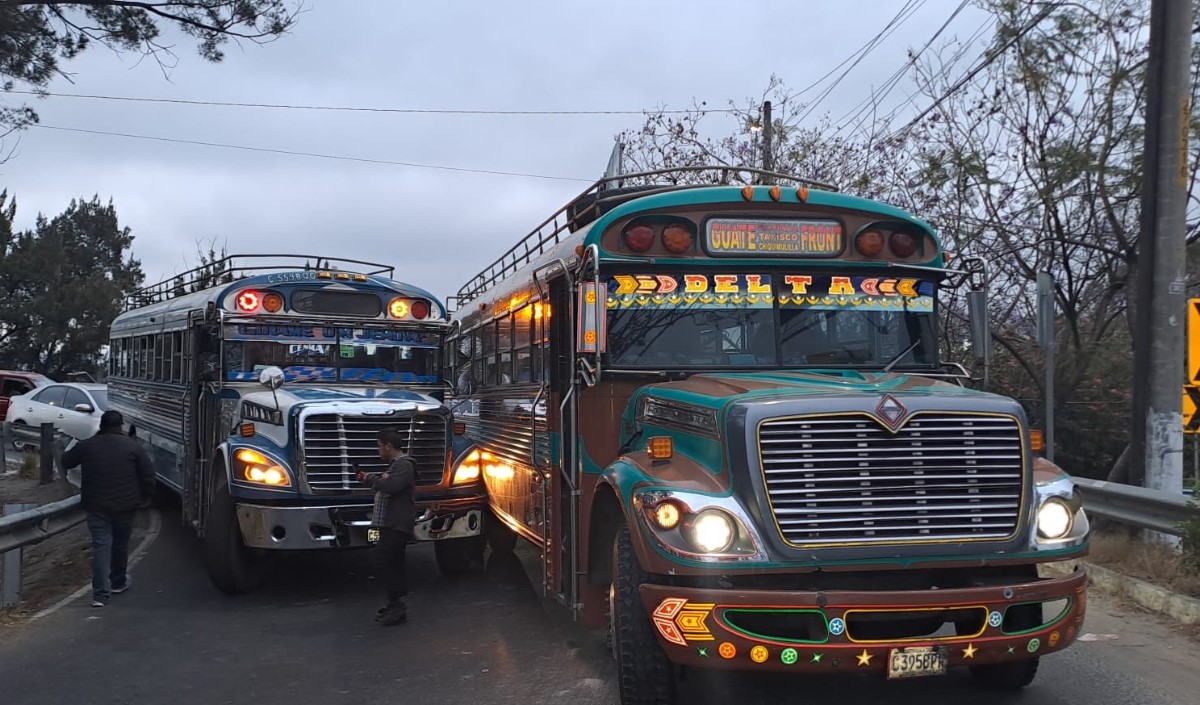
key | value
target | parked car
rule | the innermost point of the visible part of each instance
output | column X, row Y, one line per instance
column 14, row 384
column 74, row 409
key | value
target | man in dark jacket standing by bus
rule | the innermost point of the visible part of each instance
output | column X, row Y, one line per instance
column 117, row 478
column 392, row 522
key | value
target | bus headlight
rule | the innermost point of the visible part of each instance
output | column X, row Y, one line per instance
column 712, row 531
column 698, row 526
column 472, row 467
column 1054, row 519
column 258, row 469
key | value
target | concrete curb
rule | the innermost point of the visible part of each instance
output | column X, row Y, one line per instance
column 1182, row 608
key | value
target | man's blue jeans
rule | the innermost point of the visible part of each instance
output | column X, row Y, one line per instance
column 110, row 551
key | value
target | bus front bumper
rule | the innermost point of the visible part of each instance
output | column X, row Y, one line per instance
column 846, row 631
column 346, row 525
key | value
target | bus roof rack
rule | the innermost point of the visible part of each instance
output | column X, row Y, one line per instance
column 233, row 267
column 603, row 196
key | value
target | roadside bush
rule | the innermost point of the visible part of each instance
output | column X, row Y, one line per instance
column 30, row 465
column 1190, row 562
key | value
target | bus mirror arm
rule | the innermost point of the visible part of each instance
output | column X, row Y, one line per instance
column 587, row 372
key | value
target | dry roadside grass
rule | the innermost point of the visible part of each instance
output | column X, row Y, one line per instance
column 1155, row 564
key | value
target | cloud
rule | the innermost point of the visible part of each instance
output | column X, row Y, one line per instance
column 438, row 228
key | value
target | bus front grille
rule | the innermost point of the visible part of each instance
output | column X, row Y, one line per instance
column 848, row 480
column 336, row 446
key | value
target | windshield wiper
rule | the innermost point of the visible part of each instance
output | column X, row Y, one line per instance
column 892, row 363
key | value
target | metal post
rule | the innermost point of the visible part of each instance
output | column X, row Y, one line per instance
column 1046, row 314
column 1161, row 283
column 10, row 571
column 46, row 449
column 768, row 159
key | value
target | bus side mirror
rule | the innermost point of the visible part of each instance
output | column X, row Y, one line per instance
column 981, row 329
column 272, row 378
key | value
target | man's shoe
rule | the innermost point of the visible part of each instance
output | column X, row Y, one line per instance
column 99, row 603
column 393, row 614
column 123, row 588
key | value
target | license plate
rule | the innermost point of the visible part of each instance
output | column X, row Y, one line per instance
column 373, row 535
column 914, row 661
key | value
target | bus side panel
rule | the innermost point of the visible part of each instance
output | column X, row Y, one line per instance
column 155, row 415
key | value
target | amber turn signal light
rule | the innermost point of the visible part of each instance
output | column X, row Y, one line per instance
column 667, row 515
column 660, row 447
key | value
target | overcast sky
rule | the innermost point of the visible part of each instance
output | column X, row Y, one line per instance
column 437, row 227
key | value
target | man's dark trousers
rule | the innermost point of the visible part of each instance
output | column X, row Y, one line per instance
column 110, row 551
column 390, row 552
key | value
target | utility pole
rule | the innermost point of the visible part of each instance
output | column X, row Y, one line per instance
column 768, row 159
column 1157, row 446
column 1045, row 321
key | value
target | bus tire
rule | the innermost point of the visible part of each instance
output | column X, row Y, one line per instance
column 1012, row 675
column 455, row 556
column 232, row 567
column 645, row 676
column 500, row 538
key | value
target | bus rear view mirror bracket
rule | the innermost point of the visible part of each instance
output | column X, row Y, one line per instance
column 981, row 330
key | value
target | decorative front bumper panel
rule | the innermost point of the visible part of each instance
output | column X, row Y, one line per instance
column 695, row 627
column 335, row 445
column 848, row 479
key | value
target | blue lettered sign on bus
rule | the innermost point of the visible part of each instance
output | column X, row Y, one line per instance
column 742, row 237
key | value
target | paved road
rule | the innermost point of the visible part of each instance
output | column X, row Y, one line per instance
column 308, row 638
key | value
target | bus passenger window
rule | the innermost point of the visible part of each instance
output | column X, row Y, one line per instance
column 524, row 366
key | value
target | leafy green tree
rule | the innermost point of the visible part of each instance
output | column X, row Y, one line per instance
column 37, row 37
column 64, row 281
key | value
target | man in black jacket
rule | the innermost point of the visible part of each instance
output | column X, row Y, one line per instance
column 117, row 478
column 392, row 522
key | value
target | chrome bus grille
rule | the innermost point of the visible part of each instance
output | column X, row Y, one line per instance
column 336, row 445
column 943, row 477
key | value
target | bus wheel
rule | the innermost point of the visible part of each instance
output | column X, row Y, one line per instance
column 454, row 557
column 233, row 568
column 1012, row 675
column 500, row 538
column 644, row 674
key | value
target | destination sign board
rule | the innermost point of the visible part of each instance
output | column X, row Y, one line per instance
column 741, row 237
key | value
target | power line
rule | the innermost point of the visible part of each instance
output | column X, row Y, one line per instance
column 338, row 157
column 356, row 109
column 865, row 47
column 876, row 98
column 906, row 12
column 988, row 58
column 962, row 50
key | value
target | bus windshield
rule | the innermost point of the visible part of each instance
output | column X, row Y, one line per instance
column 734, row 321
column 354, row 357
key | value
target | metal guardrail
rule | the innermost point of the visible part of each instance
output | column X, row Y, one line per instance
column 34, row 525
column 1138, row 506
column 25, row 524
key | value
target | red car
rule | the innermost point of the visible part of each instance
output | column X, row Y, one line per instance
column 16, row 383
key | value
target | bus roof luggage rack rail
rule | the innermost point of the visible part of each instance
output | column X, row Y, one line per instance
column 233, row 267
column 603, row 196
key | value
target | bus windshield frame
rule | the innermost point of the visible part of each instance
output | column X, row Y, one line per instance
column 801, row 319
column 333, row 355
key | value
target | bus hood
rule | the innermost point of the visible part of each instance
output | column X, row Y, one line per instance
column 354, row 400
column 717, row 390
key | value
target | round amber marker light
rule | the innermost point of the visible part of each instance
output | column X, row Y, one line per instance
column 677, row 239
column 666, row 515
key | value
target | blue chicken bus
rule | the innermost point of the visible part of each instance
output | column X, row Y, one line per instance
column 258, row 383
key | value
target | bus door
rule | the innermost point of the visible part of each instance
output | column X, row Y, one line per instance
column 201, row 419
column 566, row 477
